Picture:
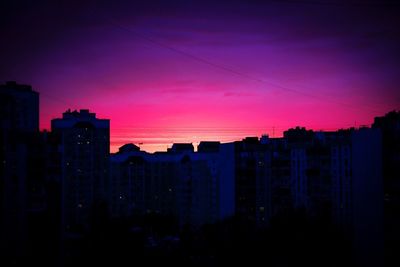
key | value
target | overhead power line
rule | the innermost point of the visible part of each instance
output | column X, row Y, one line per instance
column 225, row 68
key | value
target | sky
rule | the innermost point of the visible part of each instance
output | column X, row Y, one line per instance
column 187, row 71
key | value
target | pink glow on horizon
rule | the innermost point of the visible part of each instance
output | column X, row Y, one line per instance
column 156, row 126
column 158, row 113
column 153, row 95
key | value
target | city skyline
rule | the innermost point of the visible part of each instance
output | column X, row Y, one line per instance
column 161, row 139
column 66, row 183
column 199, row 133
column 168, row 145
column 185, row 72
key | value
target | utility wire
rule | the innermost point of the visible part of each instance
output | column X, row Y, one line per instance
column 224, row 68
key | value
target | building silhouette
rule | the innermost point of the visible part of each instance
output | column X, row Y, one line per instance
column 252, row 180
column 84, row 143
column 62, row 188
column 329, row 177
column 19, row 123
column 19, row 107
column 193, row 187
column 389, row 125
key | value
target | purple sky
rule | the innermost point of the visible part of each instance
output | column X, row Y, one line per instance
column 185, row 71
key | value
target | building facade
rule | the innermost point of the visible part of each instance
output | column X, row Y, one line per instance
column 84, row 148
